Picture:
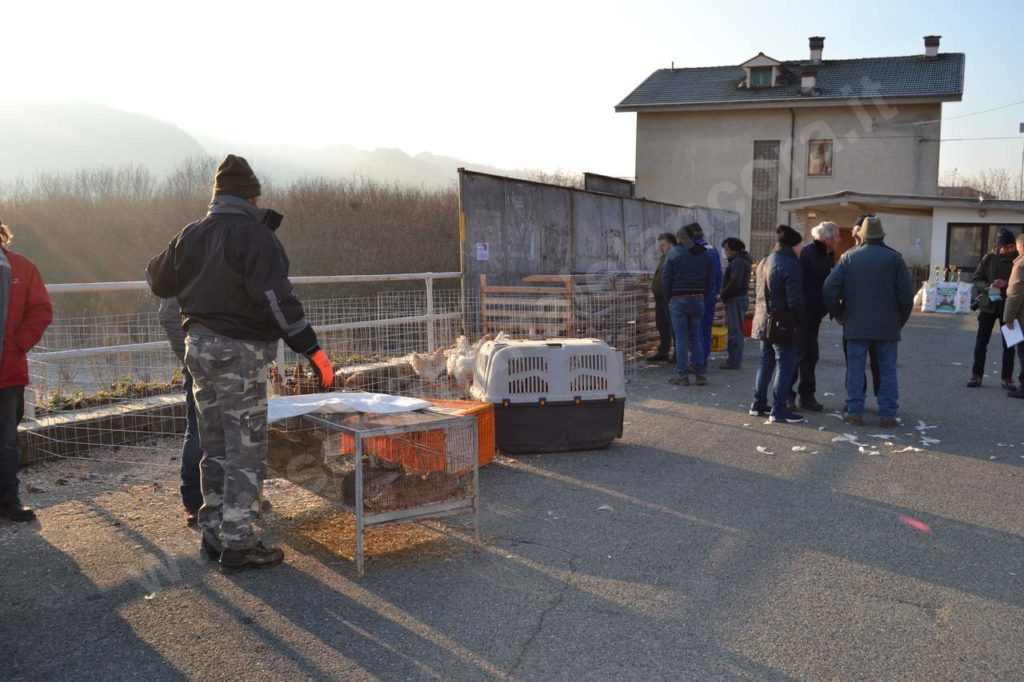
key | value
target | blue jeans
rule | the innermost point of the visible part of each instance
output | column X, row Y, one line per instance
column 12, row 409
column 735, row 314
column 708, row 322
column 775, row 356
column 191, row 451
column 687, row 315
column 888, row 392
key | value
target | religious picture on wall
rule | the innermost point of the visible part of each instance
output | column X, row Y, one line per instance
column 819, row 157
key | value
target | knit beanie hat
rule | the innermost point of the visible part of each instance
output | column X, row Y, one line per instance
column 1004, row 237
column 871, row 228
column 695, row 231
column 235, row 177
column 785, row 234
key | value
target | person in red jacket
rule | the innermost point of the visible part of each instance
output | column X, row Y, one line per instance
column 26, row 311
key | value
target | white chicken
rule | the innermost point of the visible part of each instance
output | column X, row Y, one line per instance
column 462, row 360
column 428, row 367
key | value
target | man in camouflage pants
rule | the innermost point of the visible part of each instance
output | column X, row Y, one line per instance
column 229, row 273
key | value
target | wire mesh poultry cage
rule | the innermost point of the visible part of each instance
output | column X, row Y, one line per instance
column 384, row 468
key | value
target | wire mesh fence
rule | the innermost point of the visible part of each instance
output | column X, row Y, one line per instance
column 112, row 383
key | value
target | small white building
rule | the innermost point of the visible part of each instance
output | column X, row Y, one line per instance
column 749, row 136
column 962, row 229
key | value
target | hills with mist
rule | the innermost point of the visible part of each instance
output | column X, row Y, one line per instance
column 58, row 138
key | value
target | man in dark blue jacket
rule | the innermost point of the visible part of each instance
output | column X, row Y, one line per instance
column 870, row 293
column 778, row 296
column 696, row 233
column 191, row 451
column 686, row 277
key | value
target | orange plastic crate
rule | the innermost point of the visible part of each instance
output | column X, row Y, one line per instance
column 484, row 413
column 424, row 451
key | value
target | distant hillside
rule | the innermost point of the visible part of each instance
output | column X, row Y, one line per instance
column 60, row 138
column 67, row 137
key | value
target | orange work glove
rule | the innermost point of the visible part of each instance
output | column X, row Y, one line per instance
column 321, row 365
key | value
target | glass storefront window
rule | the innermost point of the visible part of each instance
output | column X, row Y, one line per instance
column 964, row 246
column 967, row 243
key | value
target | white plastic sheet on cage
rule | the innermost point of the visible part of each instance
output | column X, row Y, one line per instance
column 280, row 407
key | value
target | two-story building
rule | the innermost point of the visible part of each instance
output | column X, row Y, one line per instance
column 748, row 136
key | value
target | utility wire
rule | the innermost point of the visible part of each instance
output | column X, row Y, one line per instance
column 953, row 118
column 923, row 139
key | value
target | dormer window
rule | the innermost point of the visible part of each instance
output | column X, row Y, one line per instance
column 761, row 72
column 761, row 77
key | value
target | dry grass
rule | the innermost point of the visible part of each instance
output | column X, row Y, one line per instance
column 105, row 224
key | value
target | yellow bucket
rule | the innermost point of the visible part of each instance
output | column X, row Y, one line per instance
column 718, row 339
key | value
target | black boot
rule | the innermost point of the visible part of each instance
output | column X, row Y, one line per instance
column 260, row 556
column 17, row 512
column 210, row 548
column 191, row 516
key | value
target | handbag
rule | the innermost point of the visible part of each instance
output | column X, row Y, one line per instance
column 781, row 324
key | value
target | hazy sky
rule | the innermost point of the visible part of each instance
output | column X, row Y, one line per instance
column 525, row 84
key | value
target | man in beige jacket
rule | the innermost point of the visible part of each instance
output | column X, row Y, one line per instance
column 1013, row 313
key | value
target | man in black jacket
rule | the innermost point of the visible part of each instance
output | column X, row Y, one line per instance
column 662, row 318
column 229, row 273
column 990, row 280
column 735, row 296
column 816, row 261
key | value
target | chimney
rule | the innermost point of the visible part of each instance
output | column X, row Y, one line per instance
column 931, row 46
column 808, row 80
column 817, row 45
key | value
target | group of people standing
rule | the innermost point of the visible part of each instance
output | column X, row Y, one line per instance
column 869, row 293
column 686, row 285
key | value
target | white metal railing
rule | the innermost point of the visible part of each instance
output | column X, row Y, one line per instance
column 428, row 318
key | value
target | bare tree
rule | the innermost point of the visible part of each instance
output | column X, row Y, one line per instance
column 999, row 183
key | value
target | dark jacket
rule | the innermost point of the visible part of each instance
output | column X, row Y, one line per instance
column 716, row 268
column 170, row 320
column 780, row 274
column 656, row 287
column 993, row 266
column 29, row 313
column 870, row 292
column 229, row 273
column 816, row 262
column 737, row 276
column 687, row 271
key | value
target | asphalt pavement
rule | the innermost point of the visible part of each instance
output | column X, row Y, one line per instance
column 706, row 544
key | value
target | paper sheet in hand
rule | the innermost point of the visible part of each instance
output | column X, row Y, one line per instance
column 1012, row 336
column 282, row 407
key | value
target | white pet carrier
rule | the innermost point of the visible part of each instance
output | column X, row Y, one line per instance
column 552, row 395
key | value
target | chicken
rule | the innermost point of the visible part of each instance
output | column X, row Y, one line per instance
column 428, row 367
column 462, row 361
column 461, row 349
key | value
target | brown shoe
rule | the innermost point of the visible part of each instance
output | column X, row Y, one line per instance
column 854, row 420
column 811, row 404
column 890, row 422
column 191, row 516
